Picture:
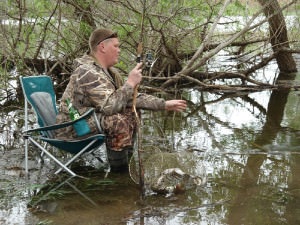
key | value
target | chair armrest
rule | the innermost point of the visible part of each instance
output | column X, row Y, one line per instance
column 62, row 125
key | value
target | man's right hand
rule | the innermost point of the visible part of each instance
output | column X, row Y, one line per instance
column 135, row 75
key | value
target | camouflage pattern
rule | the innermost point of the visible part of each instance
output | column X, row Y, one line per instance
column 90, row 86
column 120, row 129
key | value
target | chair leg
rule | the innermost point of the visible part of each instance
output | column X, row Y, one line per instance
column 52, row 157
column 77, row 155
column 26, row 156
column 81, row 193
column 42, row 154
column 26, row 138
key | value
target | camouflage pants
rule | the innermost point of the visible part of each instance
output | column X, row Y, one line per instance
column 120, row 129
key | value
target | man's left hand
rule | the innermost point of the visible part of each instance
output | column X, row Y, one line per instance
column 175, row 105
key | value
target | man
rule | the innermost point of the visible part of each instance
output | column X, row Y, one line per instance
column 95, row 83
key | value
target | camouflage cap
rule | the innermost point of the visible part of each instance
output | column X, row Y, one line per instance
column 100, row 35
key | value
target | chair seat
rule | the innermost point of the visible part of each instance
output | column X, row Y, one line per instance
column 75, row 146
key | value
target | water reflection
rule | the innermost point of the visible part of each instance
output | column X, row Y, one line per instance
column 245, row 203
column 37, row 200
column 92, row 201
column 240, row 155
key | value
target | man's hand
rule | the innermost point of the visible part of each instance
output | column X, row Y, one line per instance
column 175, row 105
column 135, row 75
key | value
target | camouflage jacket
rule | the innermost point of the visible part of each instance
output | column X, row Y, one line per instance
column 92, row 87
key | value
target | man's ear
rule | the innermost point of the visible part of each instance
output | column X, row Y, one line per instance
column 101, row 47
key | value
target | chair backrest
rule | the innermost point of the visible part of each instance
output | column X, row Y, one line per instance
column 39, row 92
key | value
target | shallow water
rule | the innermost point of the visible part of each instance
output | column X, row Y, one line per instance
column 248, row 144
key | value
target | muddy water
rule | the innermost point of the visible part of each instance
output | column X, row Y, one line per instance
column 248, row 143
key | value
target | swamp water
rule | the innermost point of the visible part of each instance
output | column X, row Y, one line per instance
column 248, row 143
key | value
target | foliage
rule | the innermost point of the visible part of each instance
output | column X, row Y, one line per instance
column 33, row 32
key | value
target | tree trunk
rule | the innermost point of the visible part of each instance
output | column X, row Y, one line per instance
column 278, row 36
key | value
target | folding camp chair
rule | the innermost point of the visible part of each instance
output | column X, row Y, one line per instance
column 39, row 92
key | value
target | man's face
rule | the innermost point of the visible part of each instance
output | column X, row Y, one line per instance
column 112, row 51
